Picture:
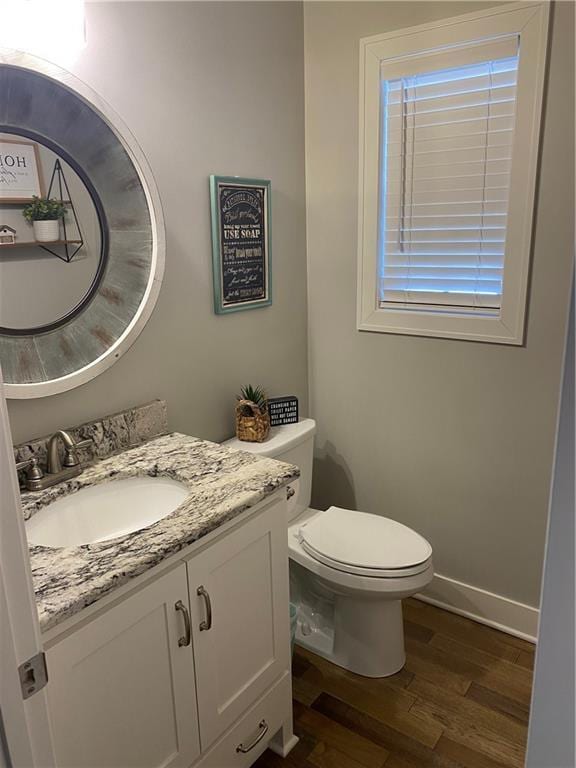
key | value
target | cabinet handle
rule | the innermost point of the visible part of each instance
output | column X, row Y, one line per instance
column 263, row 728
column 183, row 641
column 204, row 625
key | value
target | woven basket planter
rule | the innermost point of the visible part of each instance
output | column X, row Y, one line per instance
column 254, row 428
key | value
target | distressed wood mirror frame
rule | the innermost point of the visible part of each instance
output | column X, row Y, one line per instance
column 46, row 103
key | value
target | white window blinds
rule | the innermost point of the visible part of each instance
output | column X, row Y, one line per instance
column 446, row 149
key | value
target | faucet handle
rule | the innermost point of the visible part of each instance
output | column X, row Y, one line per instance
column 71, row 457
column 34, row 472
column 84, row 443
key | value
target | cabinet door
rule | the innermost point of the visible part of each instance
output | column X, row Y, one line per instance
column 122, row 690
column 243, row 647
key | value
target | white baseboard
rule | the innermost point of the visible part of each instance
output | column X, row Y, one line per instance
column 485, row 607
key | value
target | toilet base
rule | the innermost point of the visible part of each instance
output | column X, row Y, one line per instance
column 369, row 636
column 366, row 636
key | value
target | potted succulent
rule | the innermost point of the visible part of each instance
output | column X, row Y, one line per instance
column 44, row 215
column 252, row 417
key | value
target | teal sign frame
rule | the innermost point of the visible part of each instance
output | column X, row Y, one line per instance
column 241, row 255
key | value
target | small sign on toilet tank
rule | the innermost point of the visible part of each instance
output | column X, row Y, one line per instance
column 283, row 410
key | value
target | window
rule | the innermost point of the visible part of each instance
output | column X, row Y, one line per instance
column 446, row 153
column 450, row 128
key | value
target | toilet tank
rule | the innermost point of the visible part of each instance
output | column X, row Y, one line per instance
column 293, row 443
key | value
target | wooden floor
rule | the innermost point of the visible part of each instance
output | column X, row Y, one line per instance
column 461, row 701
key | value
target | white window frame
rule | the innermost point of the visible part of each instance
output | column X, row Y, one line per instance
column 529, row 21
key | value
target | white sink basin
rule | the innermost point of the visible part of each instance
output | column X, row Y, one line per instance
column 105, row 511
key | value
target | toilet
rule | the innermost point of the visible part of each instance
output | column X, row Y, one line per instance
column 349, row 570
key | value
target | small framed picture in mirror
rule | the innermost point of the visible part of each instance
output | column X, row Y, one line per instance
column 240, row 243
column 20, row 173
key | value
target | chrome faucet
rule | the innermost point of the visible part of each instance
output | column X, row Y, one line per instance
column 54, row 465
column 56, row 471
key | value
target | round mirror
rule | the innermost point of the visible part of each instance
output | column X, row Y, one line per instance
column 81, row 231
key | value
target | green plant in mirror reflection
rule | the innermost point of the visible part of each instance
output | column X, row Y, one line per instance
column 43, row 209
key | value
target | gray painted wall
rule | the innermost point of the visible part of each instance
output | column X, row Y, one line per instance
column 452, row 438
column 205, row 88
column 551, row 735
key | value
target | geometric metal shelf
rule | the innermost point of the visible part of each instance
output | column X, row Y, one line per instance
column 59, row 180
column 66, row 256
column 22, row 244
column 62, row 185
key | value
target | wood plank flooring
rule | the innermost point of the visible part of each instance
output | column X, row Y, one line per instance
column 461, row 701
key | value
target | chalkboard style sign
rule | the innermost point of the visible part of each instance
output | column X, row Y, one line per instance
column 283, row 410
column 240, row 243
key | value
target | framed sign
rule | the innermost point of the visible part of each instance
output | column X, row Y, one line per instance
column 240, row 243
column 20, row 174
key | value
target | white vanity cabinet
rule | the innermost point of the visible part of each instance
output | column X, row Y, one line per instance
column 121, row 688
column 190, row 669
column 240, row 621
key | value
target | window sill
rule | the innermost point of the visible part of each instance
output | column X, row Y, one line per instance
column 442, row 325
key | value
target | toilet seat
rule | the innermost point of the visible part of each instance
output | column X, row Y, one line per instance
column 364, row 544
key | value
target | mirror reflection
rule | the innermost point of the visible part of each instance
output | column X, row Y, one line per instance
column 50, row 264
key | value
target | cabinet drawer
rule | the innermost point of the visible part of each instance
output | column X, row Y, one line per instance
column 269, row 713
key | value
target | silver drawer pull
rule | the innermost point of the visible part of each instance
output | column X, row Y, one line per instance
column 263, row 730
column 204, row 625
column 183, row 641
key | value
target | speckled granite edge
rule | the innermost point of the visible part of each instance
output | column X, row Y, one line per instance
column 223, row 483
column 109, row 434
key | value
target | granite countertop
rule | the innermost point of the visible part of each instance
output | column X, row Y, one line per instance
column 223, row 483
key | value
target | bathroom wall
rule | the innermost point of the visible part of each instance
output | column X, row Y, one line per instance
column 453, row 438
column 205, row 88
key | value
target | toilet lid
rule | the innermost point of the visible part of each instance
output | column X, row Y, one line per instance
column 364, row 544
